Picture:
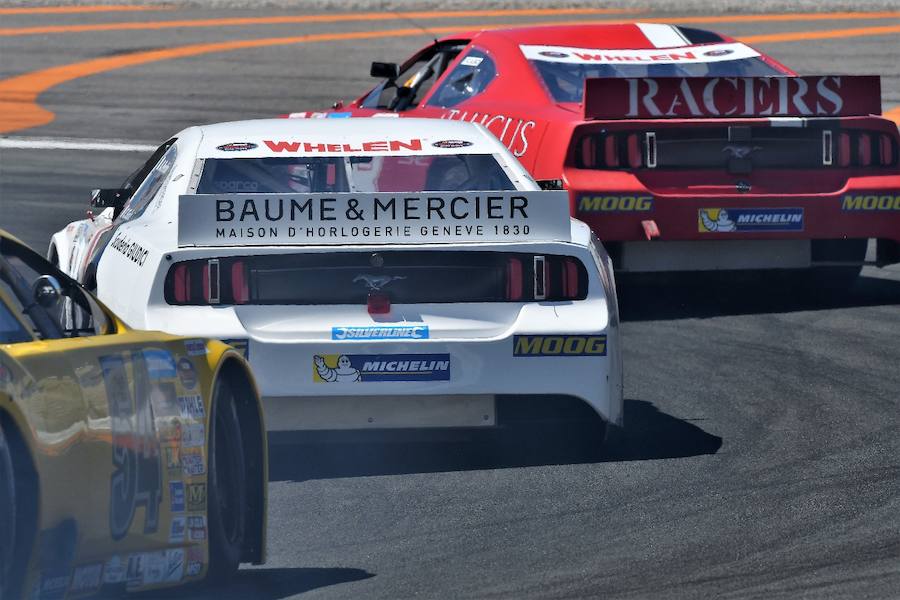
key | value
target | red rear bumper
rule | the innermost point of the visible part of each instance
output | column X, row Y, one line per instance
column 616, row 206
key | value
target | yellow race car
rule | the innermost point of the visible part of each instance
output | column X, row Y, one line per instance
column 129, row 460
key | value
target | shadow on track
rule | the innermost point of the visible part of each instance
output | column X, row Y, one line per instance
column 263, row 584
column 694, row 295
column 649, row 434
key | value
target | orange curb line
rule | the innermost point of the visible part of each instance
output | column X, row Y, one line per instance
column 58, row 10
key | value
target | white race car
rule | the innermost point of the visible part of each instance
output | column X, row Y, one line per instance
column 378, row 273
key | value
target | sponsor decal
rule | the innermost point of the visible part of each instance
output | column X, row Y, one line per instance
column 86, row 579
column 171, row 433
column 195, row 347
column 559, row 345
column 155, row 567
column 194, row 561
column 388, row 332
column 294, row 147
column 350, row 217
column 734, row 97
column 472, row 61
column 174, row 565
column 347, row 368
column 173, row 459
column 130, row 250
column 615, row 203
column 160, row 364
column 193, row 435
column 115, row 570
column 196, row 497
column 452, row 144
column 176, row 496
column 511, row 131
column 689, row 54
column 236, row 147
column 187, row 373
column 177, row 530
column 340, row 115
column 242, row 346
column 52, row 586
column 871, row 202
column 134, row 576
column 197, row 528
column 721, row 220
column 192, row 407
column 192, row 463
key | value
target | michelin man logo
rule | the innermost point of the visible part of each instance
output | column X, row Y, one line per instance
column 716, row 219
column 342, row 372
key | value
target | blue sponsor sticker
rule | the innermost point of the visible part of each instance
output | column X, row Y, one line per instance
column 356, row 368
column 160, row 364
column 728, row 220
column 176, row 496
column 340, row 115
column 734, row 220
column 388, row 332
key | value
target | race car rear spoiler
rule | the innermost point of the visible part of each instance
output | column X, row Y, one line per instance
column 367, row 218
column 731, row 97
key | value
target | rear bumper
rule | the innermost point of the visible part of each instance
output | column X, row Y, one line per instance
column 296, row 398
column 616, row 208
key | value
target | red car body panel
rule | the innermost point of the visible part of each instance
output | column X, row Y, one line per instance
column 854, row 192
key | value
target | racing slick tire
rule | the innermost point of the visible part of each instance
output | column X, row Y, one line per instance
column 7, row 517
column 227, row 495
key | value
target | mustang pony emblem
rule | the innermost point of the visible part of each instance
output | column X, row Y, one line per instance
column 740, row 151
column 376, row 282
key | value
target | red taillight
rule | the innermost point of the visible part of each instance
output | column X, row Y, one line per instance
column 844, row 149
column 514, row 279
column 887, row 150
column 588, row 154
column 634, row 151
column 570, row 278
column 864, row 149
column 239, row 287
column 611, row 151
column 378, row 303
column 181, row 289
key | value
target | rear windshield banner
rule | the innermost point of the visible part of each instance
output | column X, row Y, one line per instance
column 350, row 218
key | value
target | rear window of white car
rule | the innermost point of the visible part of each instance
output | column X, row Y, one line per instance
column 464, row 172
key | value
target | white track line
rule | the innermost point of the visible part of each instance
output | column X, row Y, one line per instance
column 30, row 143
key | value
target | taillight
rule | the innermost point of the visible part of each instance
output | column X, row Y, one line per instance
column 865, row 149
column 240, row 288
column 617, row 150
column 207, row 281
column 513, row 279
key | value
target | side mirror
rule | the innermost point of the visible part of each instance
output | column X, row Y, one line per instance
column 46, row 291
column 385, row 70
column 106, row 198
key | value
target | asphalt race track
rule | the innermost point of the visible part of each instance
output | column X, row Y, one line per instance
column 762, row 451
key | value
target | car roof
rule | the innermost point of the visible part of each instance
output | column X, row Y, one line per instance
column 343, row 136
column 612, row 36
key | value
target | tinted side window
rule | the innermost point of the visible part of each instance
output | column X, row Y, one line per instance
column 153, row 185
column 471, row 76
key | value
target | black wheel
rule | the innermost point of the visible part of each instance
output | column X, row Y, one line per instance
column 227, row 495
column 7, row 517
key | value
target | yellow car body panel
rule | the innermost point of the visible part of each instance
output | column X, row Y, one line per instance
column 116, row 428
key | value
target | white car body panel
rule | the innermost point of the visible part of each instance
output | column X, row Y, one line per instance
column 283, row 341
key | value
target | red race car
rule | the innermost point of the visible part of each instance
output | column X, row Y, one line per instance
column 683, row 149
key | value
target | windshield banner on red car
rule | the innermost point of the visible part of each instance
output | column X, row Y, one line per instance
column 731, row 97
column 386, row 218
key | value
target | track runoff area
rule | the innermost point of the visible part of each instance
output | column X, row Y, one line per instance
column 761, row 452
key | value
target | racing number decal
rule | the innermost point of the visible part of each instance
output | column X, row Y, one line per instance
column 137, row 474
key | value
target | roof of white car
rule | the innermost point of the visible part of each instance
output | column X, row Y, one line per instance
column 344, row 136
